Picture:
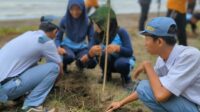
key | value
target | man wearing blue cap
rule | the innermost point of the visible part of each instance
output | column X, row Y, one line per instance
column 173, row 84
column 19, row 72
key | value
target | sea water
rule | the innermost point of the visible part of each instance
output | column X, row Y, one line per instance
column 28, row 9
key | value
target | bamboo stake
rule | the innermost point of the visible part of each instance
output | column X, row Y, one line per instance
column 106, row 53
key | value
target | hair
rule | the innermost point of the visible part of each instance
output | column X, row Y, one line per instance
column 170, row 40
column 47, row 26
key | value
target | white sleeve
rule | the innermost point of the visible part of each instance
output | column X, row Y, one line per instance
column 50, row 52
column 182, row 74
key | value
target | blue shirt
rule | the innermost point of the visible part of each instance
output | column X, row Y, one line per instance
column 24, row 51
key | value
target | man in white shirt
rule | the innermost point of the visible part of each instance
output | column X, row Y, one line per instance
column 173, row 84
column 19, row 71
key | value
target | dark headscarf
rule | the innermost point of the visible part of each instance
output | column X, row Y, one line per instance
column 76, row 28
column 100, row 17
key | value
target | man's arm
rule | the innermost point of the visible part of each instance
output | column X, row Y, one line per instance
column 126, row 49
column 51, row 54
column 160, row 92
column 116, row 105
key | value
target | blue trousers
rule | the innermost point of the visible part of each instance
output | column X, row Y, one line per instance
column 73, row 55
column 174, row 104
column 120, row 65
column 37, row 81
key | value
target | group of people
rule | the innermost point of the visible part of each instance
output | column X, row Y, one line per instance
column 84, row 40
column 77, row 38
column 174, row 82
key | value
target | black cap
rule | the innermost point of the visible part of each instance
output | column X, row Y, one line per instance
column 49, row 23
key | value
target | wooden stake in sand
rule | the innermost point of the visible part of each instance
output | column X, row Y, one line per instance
column 107, row 41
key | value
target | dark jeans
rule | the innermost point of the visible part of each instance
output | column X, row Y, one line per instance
column 180, row 20
column 117, row 65
column 144, row 14
column 73, row 55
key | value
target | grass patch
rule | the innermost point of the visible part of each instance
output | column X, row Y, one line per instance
column 6, row 31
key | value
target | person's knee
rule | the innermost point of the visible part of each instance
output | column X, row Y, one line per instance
column 54, row 68
column 122, row 66
column 68, row 59
column 144, row 91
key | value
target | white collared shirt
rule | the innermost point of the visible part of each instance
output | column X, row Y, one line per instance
column 180, row 74
column 24, row 51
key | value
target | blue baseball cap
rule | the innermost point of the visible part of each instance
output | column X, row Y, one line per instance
column 160, row 26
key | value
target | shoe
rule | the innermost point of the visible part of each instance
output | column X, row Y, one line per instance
column 128, row 86
column 37, row 109
column 131, row 85
column 127, row 83
column 80, row 65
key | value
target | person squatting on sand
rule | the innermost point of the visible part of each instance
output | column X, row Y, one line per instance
column 77, row 27
column 173, row 84
column 19, row 72
column 120, row 59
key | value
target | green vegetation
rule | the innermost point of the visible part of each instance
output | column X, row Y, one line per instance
column 5, row 31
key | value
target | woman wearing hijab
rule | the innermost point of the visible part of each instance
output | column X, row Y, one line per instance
column 120, row 52
column 77, row 27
